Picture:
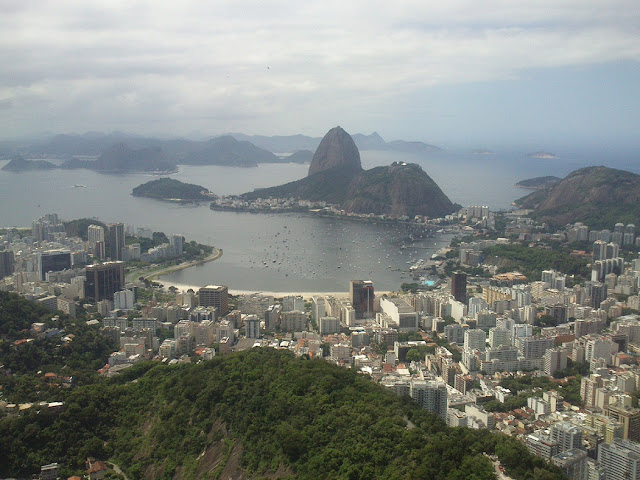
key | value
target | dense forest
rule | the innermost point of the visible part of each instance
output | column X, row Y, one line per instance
column 257, row 412
column 66, row 347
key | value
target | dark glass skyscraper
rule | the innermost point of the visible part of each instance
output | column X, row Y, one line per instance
column 116, row 240
column 459, row 286
column 362, row 296
column 53, row 261
column 103, row 280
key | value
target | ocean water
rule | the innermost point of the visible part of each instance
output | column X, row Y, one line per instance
column 266, row 252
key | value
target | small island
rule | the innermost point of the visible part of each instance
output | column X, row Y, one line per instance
column 173, row 190
column 538, row 183
column 21, row 164
column 546, row 155
column 482, row 152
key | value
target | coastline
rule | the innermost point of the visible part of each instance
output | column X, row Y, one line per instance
column 306, row 295
column 216, row 254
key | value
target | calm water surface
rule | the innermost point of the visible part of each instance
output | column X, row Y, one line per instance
column 275, row 252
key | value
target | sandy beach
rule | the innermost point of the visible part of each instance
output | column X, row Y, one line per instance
column 306, row 295
column 183, row 288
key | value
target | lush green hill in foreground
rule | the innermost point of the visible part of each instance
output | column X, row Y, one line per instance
column 259, row 413
column 171, row 189
column 600, row 197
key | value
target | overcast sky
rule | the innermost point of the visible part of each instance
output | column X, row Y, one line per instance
column 448, row 72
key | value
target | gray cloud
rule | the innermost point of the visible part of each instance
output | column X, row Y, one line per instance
column 282, row 66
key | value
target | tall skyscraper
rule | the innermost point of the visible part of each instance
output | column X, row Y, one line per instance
column 252, row 326
column 459, row 286
column 599, row 250
column 598, row 293
column 53, row 261
column 95, row 233
column 95, row 237
column 103, row 280
column 215, row 296
column 176, row 243
column 7, row 263
column 116, row 240
column 362, row 297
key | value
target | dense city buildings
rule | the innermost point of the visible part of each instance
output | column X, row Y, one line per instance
column 551, row 360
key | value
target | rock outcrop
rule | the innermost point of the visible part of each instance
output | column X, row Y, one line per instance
column 398, row 190
column 336, row 177
column 336, row 150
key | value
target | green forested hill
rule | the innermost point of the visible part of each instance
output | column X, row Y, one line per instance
column 70, row 348
column 598, row 196
column 171, row 189
column 255, row 414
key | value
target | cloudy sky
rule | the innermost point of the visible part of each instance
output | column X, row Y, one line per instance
column 494, row 72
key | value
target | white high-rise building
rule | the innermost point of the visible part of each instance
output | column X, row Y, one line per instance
column 318, row 308
column 329, row 325
column 499, row 336
column 123, row 300
column 430, row 395
column 475, row 339
column 293, row 302
column 566, row 435
column 620, row 459
column 95, row 233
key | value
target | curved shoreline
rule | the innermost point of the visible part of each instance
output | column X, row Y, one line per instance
column 215, row 255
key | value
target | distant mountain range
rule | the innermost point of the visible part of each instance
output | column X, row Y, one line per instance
column 95, row 143
column 119, row 152
column 292, row 143
column 118, row 158
column 336, row 176
column 600, row 197
column 229, row 152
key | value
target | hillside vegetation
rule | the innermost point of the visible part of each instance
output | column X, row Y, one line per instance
column 597, row 196
column 256, row 414
column 171, row 189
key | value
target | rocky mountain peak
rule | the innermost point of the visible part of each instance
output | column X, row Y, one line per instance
column 336, row 150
